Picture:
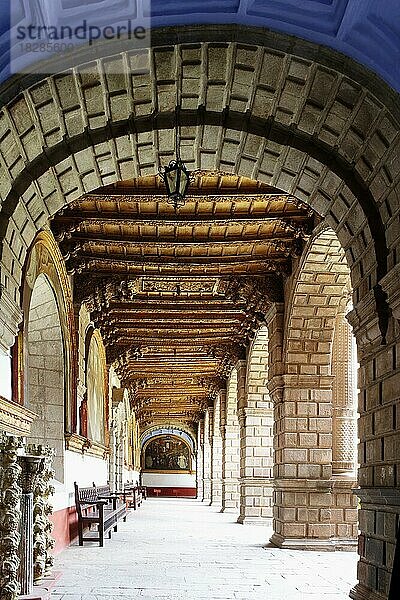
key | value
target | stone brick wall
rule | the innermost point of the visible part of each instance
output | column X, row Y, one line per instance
column 312, row 509
column 378, row 455
column 230, row 448
column 216, row 454
column 45, row 372
column 256, row 432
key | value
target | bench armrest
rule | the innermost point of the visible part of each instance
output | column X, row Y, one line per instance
column 111, row 496
column 92, row 502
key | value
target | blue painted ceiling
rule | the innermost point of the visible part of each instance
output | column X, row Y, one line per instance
column 366, row 30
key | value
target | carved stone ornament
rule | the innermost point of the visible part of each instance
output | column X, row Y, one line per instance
column 10, row 517
column 14, row 418
column 43, row 542
column 32, row 467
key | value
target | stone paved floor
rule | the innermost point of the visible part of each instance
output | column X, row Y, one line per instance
column 184, row 550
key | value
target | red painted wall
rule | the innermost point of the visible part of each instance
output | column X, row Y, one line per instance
column 174, row 492
column 65, row 528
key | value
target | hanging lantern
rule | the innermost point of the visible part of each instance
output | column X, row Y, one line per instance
column 176, row 178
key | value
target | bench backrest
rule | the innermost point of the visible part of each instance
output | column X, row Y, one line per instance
column 102, row 490
column 84, row 496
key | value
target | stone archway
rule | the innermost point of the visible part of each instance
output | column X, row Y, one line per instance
column 288, row 138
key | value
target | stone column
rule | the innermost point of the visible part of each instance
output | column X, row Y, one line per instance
column 230, row 448
column 43, row 542
column 31, row 467
column 303, row 463
column 207, row 456
column 344, row 401
column 10, row 517
column 256, row 423
column 312, row 509
column 216, row 455
column 199, row 459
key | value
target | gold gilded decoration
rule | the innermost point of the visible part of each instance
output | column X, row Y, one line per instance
column 15, row 419
column 179, row 295
column 82, row 445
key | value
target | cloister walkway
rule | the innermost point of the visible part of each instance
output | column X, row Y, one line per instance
column 183, row 550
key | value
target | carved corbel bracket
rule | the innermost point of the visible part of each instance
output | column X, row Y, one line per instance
column 390, row 284
column 369, row 319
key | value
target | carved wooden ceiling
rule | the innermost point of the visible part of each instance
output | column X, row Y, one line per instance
column 178, row 295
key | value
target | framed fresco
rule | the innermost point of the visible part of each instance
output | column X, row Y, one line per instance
column 166, row 454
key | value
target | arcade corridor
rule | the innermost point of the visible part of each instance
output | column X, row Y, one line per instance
column 186, row 550
column 200, row 298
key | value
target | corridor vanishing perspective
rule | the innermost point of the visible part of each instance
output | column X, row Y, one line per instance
column 200, row 300
column 182, row 549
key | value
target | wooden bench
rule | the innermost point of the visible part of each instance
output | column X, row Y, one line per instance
column 94, row 509
column 134, row 494
column 114, row 499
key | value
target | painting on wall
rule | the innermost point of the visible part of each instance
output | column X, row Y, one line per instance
column 167, row 453
column 95, row 392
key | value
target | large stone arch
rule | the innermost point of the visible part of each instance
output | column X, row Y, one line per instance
column 321, row 284
column 44, row 374
column 253, row 110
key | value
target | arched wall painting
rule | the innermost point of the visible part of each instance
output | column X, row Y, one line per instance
column 166, row 454
column 95, row 391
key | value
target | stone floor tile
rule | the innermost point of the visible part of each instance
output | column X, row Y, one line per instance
column 184, row 550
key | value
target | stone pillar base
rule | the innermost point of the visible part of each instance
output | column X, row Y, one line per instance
column 232, row 510
column 313, row 511
column 256, row 500
column 360, row 592
column 216, row 492
column 264, row 521
column 230, row 495
column 321, row 545
column 206, row 490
